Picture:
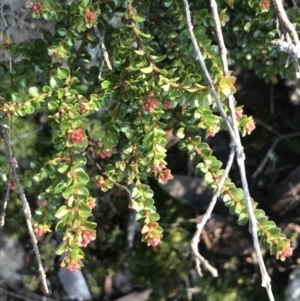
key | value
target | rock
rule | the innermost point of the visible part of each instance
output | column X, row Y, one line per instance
column 292, row 291
column 11, row 260
column 74, row 284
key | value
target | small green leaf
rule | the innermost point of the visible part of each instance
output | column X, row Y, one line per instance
column 147, row 69
column 61, row 93
column 105, row 84
column 63, row 72
column 81, row 176
column 180, row 133
column 33, row 91
column 62, row 32
column 84, row 3
column 82, row 191
column 70, row 191
column 59, row 188
column 140, row 215
column 84, row 210
column 61, row 249
column 135, row 193
column 63, row 166
column 153, row 217
column 247, row 26
column 243, row 219
column 56, row 83
column 140, row 52
column 138, row 18
column 63, row 210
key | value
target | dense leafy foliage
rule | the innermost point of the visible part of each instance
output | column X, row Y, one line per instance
column 153, row 84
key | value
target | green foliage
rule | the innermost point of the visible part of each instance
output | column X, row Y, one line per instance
column 154, row 85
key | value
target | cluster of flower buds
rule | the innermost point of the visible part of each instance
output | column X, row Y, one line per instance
column 162, row 174
column 153, row 239
column 40, row 230
column 75, row 136
column 83, row 106
column 89, row 16
column 86, row 236
column 71, row 265
column 37, row 7
column 250, row 125
column 104, row 153
column 213, row 130
column 150, row 104
column 286, row 252
column 8, row 108
column 167, row 104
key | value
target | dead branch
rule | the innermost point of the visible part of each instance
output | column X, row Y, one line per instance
column 196, row 238
column 4, row 130
column 235, row 137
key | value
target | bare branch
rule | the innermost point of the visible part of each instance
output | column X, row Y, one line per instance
column 266, row 281
column 285, row 23
column 4, row 130
column 296, row 5
column 271, row 149
column 196, row 238
column 235, row 137
column 23, row 136
column 6, row 30
column 200, row 59
column 287, row 32
column 5, row 201
column 104, row 53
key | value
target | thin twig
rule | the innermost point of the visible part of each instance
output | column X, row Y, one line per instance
column 23, row 136
column 196, row 238
column 296, row 5
column 26, row 295
column 6, row 31
column 267, row 127
column 267, row 156
column 200, row 59
column 266, row 280
column 104, row 53
column 285, row 23
column 287, row 32
column 5, row 202
column 235, row 137
column 4, row 130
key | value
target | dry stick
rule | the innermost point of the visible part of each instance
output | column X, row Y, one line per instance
column 287, row 29
column 285, row 22
column 26, row 295
column 266, row 280
column 4, row 130
column 6, row 30
column 23, row 136
column 296, row 5
column 6, row 197
column 234, row 133
column 104, row 53
column 5, row 202
column 265, row 159
column 196, row 238
column 200, row 59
